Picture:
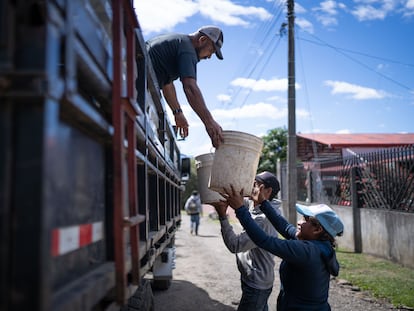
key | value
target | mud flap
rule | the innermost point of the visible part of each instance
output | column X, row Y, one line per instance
column 163, row 269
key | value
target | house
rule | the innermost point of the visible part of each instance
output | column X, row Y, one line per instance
column 368, row 179
column 315, row 146
column 385, row 162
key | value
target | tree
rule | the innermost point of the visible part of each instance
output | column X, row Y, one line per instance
column 274, row 147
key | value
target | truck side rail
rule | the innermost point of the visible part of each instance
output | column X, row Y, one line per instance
column 90, row 176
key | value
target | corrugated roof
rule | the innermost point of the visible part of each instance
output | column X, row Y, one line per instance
column 361, row 140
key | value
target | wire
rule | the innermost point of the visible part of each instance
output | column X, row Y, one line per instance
column 360, row 53
column 305, row 86
column 254, row 67
column 342, row 51
column 260, row 71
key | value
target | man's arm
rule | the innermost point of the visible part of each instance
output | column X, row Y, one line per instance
column 170, row 96
column 196, row 101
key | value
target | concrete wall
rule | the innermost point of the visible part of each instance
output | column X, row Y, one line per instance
column 384, row 233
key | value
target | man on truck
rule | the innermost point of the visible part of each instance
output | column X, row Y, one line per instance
column 176, row 56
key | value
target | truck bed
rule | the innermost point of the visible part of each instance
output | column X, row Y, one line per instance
column 90, row 172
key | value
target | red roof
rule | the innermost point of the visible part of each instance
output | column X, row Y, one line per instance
column 361, row 140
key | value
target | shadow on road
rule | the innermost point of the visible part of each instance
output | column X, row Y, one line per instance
column 185, row 296
column 206, row 236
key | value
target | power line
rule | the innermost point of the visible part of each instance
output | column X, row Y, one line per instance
column 264, row 37
column 359, row 53
column 342, row 52
column 264, row 64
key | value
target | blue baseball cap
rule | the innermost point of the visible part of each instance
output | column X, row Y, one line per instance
column 328, row 219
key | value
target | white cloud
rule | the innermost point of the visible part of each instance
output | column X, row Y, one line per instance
column 343, row 131
column 363, row 10
column 367, row 12
column 262, row 84
column 328, row 7
column 327, row 20
column 356, row 91
column 304, row 24
column 381, row 66
column 192, row 118
column 342, row 6
column 299, row 9
column 259, row 110
column 373, row 10
column 302, row 114
column 164, row 15
column 409, row 8
column 224, row 98
column 326, row 12
column 277, row 99
column 229, row 13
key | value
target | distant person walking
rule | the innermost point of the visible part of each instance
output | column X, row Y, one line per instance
column 308, row 254
column 255, row 264
column 194, row 208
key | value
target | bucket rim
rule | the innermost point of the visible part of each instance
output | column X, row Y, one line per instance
column 204, row 155
column 239, row 132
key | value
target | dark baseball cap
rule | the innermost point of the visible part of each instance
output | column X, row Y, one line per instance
column 216, row 35
column 269, row 180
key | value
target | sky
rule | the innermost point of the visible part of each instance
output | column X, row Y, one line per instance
column 354, row 65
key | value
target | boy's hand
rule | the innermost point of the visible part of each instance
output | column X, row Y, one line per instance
column 221, row 208
column 258, row 194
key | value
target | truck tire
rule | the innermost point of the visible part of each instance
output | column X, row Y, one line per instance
column 142, row 300
column 161, row 284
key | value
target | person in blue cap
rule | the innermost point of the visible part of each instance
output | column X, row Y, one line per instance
column 308, row 253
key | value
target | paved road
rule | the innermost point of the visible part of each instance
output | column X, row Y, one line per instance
column 206, row 277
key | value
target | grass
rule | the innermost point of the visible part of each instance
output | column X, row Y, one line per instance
column 382, row 278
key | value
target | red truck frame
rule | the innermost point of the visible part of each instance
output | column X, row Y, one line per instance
column 90, row 172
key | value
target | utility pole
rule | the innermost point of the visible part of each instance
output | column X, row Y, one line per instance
column 292, row 167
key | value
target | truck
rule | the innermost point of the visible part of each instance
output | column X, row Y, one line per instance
column 91, row 175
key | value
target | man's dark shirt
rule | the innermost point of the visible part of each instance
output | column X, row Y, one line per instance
column 173, row 56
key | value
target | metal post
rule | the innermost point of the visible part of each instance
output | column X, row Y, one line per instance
column 292, row 169
column 356, row 212
column 309, row 187
column 279, row 176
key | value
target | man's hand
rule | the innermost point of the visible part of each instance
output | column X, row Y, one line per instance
column 234, row 199
column 215, row 132
column 181, row 124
